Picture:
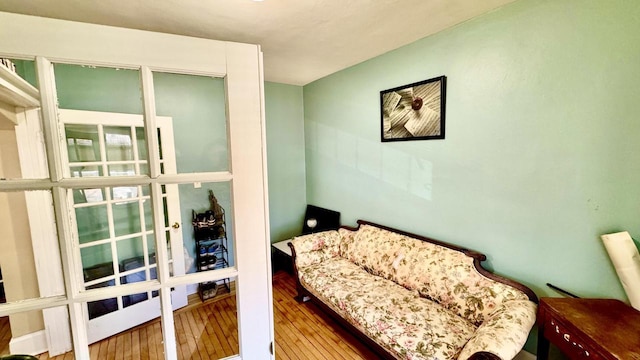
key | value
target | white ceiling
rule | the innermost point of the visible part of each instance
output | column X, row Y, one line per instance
column 302, row 40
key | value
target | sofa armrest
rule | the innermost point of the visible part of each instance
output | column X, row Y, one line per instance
column 503, row 334
column 314, row 248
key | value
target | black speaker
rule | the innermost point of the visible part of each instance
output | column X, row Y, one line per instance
column 319, row 219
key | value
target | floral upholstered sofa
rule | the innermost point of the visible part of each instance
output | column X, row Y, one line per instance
column 410, row 297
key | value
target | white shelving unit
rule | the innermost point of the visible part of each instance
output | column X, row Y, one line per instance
column 16, row 96
column 17, row 92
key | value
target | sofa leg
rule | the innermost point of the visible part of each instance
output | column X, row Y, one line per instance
column 301, row 298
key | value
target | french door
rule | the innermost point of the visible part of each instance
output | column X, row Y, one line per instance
column 132, row 226
column 113, row 226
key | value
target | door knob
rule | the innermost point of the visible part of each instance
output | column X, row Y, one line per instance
column 175, row 225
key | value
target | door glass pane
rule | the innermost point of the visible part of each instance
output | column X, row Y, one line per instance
column 82, row 196
column 196, row 105
column 162, row 138
column 29, row 259
column 117, row 247
column 97, row 263
column 26, row 69
column 141, row 144
column 98, row 88
column 19, row 126
column 28, row 243
column 207, row 234
column 151, row 245
column 84, row 148
column 86, row 171
column 22, row 326
column 129, row 253
column 110, row 225
column 136, row 269
column 208, row 329
column 121, row 170
column 126, row 217
column 170, row 247
column 124, row 147
column 103, row 307
column 83, row 143
column 125, row 192
column 112, row 337
column 119, row 143
column 101, row 112
column 93, row 223
column 148, row 215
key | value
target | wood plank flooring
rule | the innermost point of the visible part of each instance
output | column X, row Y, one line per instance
column 5, row 335
column 209, row 331
column 304, row 332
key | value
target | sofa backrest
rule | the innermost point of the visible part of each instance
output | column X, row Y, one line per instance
column 441, row 274
column 371, row 248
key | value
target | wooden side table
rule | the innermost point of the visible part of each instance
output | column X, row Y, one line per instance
column 589, row 329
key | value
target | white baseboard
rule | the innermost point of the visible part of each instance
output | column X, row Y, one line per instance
column 524, row 355
column 32, row 344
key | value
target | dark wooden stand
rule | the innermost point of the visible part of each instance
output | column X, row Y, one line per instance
column 589, row 329
column 281, row 257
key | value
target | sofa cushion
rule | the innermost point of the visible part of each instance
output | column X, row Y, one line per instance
column 505, row 332
column 450, row 278
column 409, row 326
column 347, row 237
column 444, row 275
column 374, row 249
column 316, row 247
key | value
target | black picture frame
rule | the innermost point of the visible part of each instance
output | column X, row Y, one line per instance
column 414, row 111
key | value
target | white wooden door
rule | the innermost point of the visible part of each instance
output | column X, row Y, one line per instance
column 113, row 227
column 51, row 41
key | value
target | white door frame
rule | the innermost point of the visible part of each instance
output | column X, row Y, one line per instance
column 50, row 40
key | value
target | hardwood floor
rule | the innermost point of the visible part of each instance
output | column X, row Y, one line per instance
column 209, row 331
column 5, row 335
column 304, row 332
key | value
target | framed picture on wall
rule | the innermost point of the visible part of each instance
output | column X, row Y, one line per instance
column 414, row 112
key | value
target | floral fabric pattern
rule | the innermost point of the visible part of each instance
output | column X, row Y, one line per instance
column 505, row 332
column 450, row 278
column 417, row 299
column 316, row 247
column 346, row 240
column 444, row 275
column 375, row 250
column 409, row 326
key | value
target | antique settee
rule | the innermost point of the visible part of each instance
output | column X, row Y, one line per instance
column 410, row 297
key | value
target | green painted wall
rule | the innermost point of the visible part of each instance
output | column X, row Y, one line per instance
column 542, row 148
column 285, row 159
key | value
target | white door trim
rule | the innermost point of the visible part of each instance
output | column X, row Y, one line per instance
column 33, row 343
column 244, row 93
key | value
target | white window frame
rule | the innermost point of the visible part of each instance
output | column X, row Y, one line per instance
column 55, row 41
